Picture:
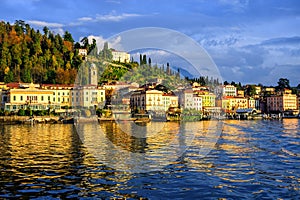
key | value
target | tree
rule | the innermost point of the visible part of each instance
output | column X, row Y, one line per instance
column 282, row 84
column 68, row 37
column 141, row 59
column 251, row 91
column 144, row 59
column 168, row 69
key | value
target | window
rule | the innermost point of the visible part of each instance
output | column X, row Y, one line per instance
column 58, row 99
column 21, row 98
column 14, row 98
column 53, row 98
column 86, row 98
column 42, row 98
column 48, row 98
column 63, row 94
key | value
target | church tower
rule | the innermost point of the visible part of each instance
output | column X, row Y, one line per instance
column 93, row 75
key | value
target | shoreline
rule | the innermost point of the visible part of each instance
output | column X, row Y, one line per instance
column 12, row 120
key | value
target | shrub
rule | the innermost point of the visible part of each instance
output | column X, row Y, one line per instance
column 21, row 112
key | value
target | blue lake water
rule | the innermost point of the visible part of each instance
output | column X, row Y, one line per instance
column 249, row 160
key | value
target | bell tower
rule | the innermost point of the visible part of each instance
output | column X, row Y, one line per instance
column 93, row 75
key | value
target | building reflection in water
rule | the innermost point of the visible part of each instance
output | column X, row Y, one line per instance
column 127, row 147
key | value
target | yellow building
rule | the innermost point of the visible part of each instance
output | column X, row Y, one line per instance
column 240, row 93
column 208, row 100
column 147, row 100
column 61, row 94
column 31, row 97
column 230, row 104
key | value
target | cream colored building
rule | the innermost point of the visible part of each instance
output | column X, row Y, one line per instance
column 88, row 96
column 169, row 101
column 120, row 56
column 147, row 100
column 229, row 90
column 61, row 93
column 31, row 97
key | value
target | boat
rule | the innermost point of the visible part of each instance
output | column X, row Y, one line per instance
column 142, row 118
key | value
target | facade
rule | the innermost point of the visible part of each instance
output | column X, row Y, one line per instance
column 88, row 96
column 120, row 56
column 240, row 93
column 229, row 90
column 197, row 102
column 187, row 99
column 61, row 93
column 208, row 100
column 281, row 103
column 147, row 100
column 83, row 53
column 251, row 103
column 231, row 104
column 31, row 97
column 169, row 101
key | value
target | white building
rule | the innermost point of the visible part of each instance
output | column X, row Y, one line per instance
column 120, row 56
column 186, row 99
column 90, row 95
column 197, row 102
column 229, row 91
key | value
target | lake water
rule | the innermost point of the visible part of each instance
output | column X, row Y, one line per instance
column 193, row 160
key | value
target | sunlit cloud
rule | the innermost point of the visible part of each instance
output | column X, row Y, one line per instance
column 115, row 17
column 44, row 23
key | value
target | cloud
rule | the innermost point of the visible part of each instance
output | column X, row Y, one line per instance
column 85, row 19
column 44, row 23
column 283, row 41
column 115, row 17
column 100, row 40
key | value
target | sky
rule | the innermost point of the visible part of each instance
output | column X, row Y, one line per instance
column 249, row 41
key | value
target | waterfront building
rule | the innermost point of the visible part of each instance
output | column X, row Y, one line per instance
column 31, row 97
column 197, row 102
column 186, row 99
column 281, row 103
column 88, row 96
column 61, row 93
column 147, row 100
column 120, row 56
column 169, row 101
column 251, row 102
column 208, row 99
column 231, row 104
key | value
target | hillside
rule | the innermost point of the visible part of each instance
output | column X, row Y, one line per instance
column 27, row 55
